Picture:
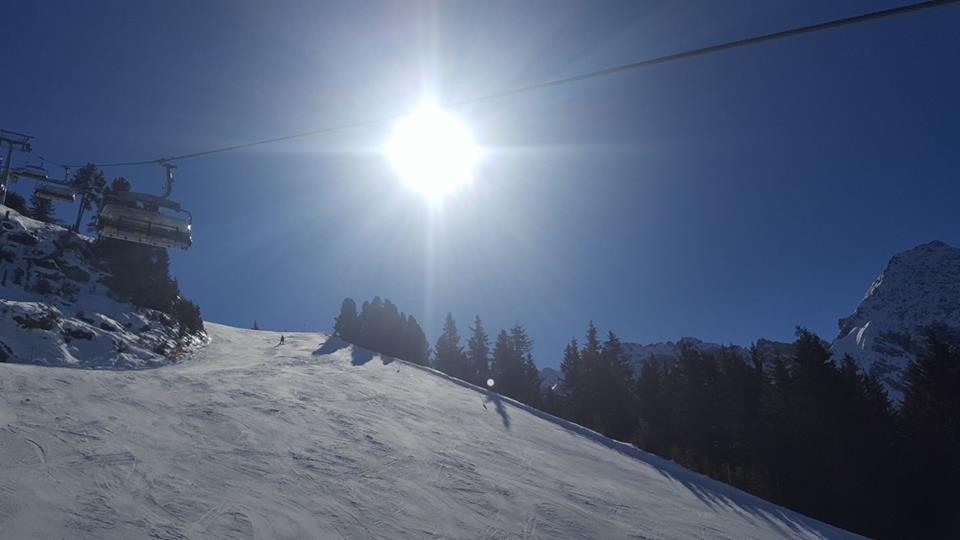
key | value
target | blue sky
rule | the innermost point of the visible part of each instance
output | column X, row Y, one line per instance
column 728, row 197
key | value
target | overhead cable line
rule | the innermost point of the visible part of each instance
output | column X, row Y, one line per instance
column 836, row 23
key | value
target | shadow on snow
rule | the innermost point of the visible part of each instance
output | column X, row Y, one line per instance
column 358, row 355
column 710, row 492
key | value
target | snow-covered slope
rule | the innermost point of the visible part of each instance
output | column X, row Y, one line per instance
column 56, row 307
column 316, row 439
column 919, row 288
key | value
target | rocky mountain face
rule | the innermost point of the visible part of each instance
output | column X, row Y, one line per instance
column 57, row 306
column 550, row 378
column 919, row 291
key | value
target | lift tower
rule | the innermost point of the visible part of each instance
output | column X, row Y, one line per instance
column 11, row 139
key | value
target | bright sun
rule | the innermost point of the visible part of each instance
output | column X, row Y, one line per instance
column 433, row 152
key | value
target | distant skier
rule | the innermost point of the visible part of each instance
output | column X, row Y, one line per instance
column 281, row 339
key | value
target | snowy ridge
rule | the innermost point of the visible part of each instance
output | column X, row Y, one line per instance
column 668, row 351
column 56, row 309
column 550, row 378
column 638, row 354
column 919, row 289
column 315, row 438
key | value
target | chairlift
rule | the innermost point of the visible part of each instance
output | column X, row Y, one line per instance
column 137, row 217
column 34, row 172
column 55, row 192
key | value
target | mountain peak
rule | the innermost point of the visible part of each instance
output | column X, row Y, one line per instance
column 919, row 289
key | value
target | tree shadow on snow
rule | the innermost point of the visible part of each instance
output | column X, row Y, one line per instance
column 501, row 410
column 710, row 492
column 358, row 355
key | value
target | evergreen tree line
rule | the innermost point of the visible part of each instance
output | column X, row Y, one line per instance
column 509, row 365
column 508, row 369
column 815, row 435
column 803, row 430
column 381, row 327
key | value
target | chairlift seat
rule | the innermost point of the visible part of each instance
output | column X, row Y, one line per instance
column 141, row 226
column 30, row 171
column 55, row 193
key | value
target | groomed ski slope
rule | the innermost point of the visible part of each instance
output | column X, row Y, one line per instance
column 316, row 439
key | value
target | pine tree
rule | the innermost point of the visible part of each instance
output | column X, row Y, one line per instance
column 90, row 183
column 503, row 365
column 930, row 418
column 598, row 385
column 119, row 185
column 531, row 381
column 478, row 353
column 513, row 368
column 591, row 348
column 572, row 386
column 615, row 381
column 17, row 202
column 590, row 385
column 372, row 325
column 415, row 346
column 527, row 378
column 41, row 209
column 653, row 408
column 347, row 323
column 448, row 354
column 392, row 331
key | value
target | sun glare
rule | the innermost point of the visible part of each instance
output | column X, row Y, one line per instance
column 433, row 152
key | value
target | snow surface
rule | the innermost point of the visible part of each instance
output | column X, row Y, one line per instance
column 317, row 439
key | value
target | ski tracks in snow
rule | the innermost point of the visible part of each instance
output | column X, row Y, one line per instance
column 247, row 439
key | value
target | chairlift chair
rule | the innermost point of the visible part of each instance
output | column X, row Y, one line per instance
column 137, row 217
column 150, row 227
column 54, row 192
column 34, row 172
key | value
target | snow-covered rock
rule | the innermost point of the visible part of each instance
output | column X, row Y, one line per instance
column 919, row 290
column 56, row 307
column 550, row 378
column 315, row 438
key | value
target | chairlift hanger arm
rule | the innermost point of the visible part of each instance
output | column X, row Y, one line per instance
column 169, row 167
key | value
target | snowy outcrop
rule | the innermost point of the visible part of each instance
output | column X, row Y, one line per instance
column 919, row 290
column 56, row 306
